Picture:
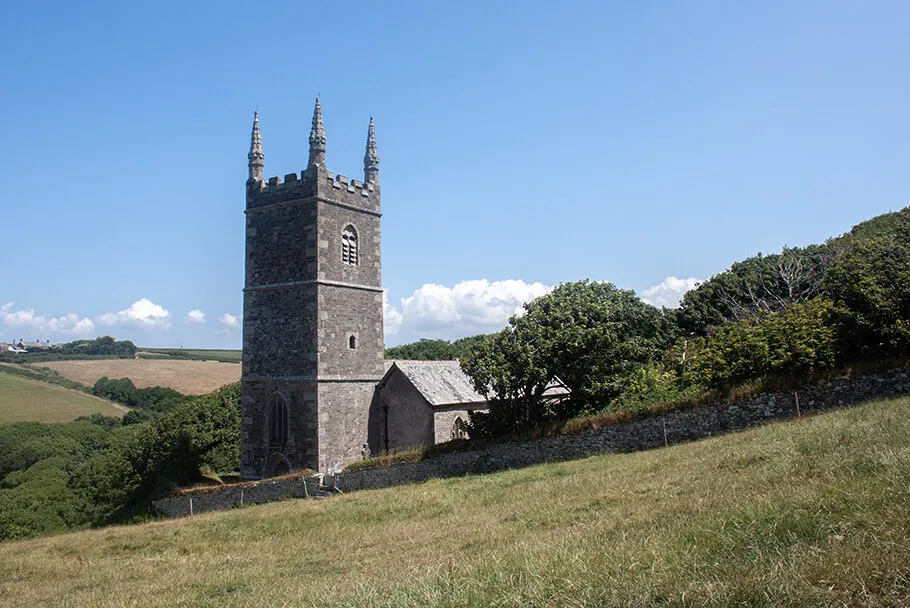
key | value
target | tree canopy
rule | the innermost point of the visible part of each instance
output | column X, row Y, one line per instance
column 591, row 335
column 427, row 349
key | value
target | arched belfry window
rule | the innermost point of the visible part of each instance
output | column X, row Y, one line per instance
column 349, row 254
column 278, row 420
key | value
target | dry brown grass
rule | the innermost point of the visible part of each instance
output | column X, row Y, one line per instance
column 187, row 377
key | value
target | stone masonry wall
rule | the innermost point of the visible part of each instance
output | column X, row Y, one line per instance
column 651, row 432
column 344, row 411
column 444, row 421
column 302, row 447
column 237, row 496
column 312, row 326
column 408, row 418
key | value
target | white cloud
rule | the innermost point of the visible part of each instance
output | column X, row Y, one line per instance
column 195, row 316
column 71, row 324
column 19, row 318
column 669, row 292
column 143, row 314
column 230, row 320
column 468, row 308
column 391, row 318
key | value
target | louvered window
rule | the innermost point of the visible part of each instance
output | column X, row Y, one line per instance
column 349, row 253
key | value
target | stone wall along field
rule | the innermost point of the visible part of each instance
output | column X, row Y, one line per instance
column 651, row 432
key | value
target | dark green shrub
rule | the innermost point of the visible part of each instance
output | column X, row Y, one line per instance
column 796, row 342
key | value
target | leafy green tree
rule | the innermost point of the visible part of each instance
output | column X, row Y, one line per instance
column 138, row 416
column 108, row 423
column 422, row 350
column 151, row 398
column 145, row 461
column 39, row 500
column 591, row 335
column 756, row 285
column 793, row 343
column 870, row 280
column 510, row 374
column 24, row 443
column 434, row 350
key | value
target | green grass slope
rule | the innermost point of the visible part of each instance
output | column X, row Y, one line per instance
column 24, row 399
column 813, row 512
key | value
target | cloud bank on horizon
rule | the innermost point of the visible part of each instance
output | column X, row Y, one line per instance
column 142, row 314
column 431, row 311
column 473, row 307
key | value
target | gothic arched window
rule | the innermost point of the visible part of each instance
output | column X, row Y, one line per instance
column 349, row 246
column 459, row 429
column 278, row 420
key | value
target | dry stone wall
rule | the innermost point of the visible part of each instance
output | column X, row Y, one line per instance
column 654, row 431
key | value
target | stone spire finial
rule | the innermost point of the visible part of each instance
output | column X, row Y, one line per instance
column 317, row 138
column 371, row 158
column 256, row 156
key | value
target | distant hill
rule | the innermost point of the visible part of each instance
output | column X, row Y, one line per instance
column 811, row 512
column 192, row 354
column 27, row 400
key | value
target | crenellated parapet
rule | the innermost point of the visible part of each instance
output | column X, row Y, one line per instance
column 314, row 182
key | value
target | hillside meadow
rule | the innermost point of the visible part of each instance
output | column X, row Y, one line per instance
column 812, row 512
column 25, row 399
column 185, row 376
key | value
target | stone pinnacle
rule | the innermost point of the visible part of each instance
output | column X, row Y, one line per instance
column 256, row 155
column 317, row 138
column 371, row 158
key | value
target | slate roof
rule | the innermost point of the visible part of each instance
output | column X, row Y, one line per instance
column 444, row 383
column 440, row 382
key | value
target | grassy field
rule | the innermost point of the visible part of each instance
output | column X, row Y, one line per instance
column 195, row 354
column 24, row 399
column 813, row 512
column 185, row 376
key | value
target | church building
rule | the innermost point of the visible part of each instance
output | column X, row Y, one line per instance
column 317, row 392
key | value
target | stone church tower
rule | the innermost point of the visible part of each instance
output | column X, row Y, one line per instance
column 312, row 312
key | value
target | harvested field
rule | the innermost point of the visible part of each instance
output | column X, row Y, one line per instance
column 187, row 377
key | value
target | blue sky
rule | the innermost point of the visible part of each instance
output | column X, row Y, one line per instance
column 522, row 145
